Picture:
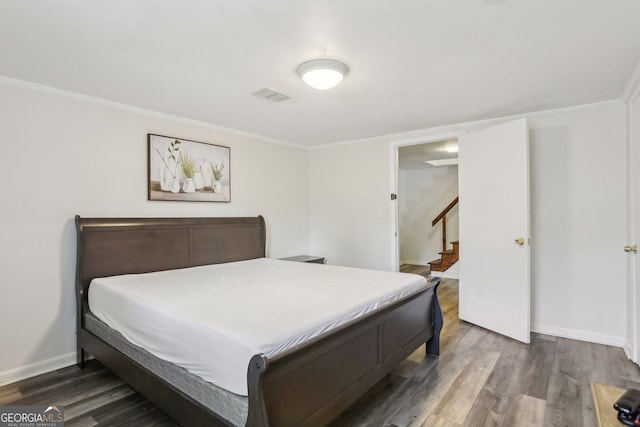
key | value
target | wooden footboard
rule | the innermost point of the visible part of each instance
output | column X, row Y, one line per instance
column 313, row 384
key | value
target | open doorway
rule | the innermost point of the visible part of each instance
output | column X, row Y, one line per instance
column 427, row 209
column 493, row 181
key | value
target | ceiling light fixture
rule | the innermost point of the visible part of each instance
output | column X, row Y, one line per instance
column 452, row 149
column 322, row 73
column 442, row 162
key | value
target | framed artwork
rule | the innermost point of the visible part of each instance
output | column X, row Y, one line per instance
column 189, row 171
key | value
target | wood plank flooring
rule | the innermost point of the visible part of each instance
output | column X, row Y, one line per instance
column 480, row 379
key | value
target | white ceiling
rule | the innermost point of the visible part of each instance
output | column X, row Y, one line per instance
column 414, row 64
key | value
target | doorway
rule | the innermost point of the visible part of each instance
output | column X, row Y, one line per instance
column 427, row 212
column 494, row 209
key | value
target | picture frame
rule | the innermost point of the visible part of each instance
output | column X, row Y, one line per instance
column 179, row 169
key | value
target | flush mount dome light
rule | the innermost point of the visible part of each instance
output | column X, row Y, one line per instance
column 322, row 73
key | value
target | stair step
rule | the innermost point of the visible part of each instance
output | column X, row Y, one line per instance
column 447, row 258
column 440, row 267
column 444, row 262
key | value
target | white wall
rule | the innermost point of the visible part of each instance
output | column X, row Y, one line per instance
column 350, row 204
column 578, row 214
column 578, row 223
column 423, row 194
column 67, row 155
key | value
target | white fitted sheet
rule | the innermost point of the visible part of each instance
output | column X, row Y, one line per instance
column 212, row 319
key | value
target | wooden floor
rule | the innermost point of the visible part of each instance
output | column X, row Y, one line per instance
column 480, row 379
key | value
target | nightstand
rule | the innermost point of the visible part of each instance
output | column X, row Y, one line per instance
column 306, row 258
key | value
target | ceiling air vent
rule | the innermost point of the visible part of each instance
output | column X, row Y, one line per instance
column 271, row 95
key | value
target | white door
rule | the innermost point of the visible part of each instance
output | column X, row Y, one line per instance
column 494, row 229
column 633, row 235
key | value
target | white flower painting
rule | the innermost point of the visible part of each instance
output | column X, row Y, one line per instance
column 184, row 170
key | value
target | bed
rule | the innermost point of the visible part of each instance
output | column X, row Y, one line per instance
column 308, row 382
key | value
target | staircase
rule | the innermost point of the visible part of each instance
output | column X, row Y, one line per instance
column 448, row 257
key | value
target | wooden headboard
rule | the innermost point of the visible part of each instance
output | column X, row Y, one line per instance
column 113, row 246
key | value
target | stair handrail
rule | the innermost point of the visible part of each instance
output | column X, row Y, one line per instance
column 443, row 216
column 444, row 212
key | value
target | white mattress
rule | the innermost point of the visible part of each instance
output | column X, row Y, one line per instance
column 212, row 319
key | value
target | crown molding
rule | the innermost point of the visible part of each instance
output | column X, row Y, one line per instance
column 632, row 90
column 440, row 132
column 22, row 84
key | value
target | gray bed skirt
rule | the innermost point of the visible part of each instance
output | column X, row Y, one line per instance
column 233, row 407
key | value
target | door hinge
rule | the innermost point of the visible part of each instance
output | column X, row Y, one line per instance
column 394, row 196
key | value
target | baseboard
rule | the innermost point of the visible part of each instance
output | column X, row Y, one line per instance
column 28, row 371
column 629, row 351
column 579, row 334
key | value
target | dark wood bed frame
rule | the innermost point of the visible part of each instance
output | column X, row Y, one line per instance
column 310, row 384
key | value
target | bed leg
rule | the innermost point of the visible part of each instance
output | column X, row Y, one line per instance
column 81, row 361
column 433, row 345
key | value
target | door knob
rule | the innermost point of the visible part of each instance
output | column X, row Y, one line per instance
column 633, row 249
column 519, row 241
